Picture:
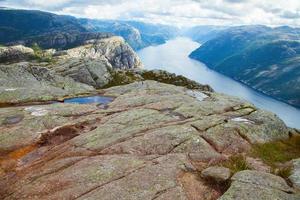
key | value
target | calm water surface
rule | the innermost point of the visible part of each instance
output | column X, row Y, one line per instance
column 91, row 99
column 173, row 57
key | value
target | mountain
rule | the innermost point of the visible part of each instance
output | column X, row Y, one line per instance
column 88, row 122
column 203, row 33
column 137, row 34
column 62, row 32
column 20, row 24
column 141, row 135
column 266, row 59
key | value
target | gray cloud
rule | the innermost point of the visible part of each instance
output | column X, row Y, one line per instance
column 179, row 12
column 290, row 15
column 235, row 1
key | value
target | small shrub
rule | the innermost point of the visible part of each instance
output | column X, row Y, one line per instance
column 122, row 77
column 284, row 172
column 169, row 78
column 279, row 151
column 40, row 55
column 236, row 163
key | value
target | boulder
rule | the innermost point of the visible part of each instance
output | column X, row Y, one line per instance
column 113, row 49
column 15, row 54
column 217, row 174
column 255, row 185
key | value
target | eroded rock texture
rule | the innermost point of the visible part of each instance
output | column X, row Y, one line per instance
column 76, row 71
column 150, row 142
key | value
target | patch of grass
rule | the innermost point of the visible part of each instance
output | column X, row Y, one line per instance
column 169, row 78
column 279, row 151
column 41, row 55
column 122, row 77
column 284, row 172
column 236, row 163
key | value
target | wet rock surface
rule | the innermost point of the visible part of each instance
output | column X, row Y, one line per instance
column 150, row 142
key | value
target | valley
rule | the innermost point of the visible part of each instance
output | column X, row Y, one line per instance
column 174, row 57
column 115, row 108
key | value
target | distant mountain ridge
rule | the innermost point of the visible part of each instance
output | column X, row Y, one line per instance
column 203, row 33
column 267, row 59
column 61, row 31
column 137, row 34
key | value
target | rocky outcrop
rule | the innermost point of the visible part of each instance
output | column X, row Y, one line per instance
column 76, row 71
column 258, row 185
column 161, row 136
column 61, row 40
column 15, row 54
column 295, row 174
column 150, row 142
column 25, row 82
column 217, row 174
column 113, row 49
column 93, row 72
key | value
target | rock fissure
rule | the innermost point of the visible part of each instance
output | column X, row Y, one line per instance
column 111, row 181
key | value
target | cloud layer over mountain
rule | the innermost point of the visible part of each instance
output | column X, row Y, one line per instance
column 179, row 12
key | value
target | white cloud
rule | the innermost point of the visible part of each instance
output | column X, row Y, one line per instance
column 179, row 12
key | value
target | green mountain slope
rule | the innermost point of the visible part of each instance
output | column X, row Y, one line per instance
column 264, row 58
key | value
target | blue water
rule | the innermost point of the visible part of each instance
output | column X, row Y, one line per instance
column 173, row 57
column 91, row 99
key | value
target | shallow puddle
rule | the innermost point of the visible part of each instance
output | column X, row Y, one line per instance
column 91, row 99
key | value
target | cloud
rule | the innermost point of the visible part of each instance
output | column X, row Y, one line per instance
column 290, row 15
column 178, row 12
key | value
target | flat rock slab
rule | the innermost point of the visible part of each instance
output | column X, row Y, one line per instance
column 148, row 143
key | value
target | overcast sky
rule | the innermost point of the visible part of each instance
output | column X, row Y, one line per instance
column 175, row 12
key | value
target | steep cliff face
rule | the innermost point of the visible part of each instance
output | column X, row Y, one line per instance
column 61, row 40
column 113, row 49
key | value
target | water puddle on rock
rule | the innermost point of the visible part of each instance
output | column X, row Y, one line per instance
column 91, row 99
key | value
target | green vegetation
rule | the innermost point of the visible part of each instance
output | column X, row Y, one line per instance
column 40, row 54
column 284, row 172
column 236, row 163
column 279, row 151
column 262, row 57
column 276, row 154
column 169, row 78
column 122, row 77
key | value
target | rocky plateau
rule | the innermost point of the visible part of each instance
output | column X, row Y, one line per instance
column 161, row 137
